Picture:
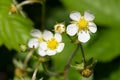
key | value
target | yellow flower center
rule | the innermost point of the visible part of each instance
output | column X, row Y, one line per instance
column 52, row 44
column 58, row 28
column 83, row 24
column 40, row 39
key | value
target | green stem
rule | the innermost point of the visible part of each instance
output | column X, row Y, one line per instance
column 70, row 38
column 83, row 55
column 43, row 16
column 21, row 78
column 19, row 6
column 35, row 71
column 28, row 58
column 42, row 10
column 69, row 62
column 27, row 2
column 49, row 72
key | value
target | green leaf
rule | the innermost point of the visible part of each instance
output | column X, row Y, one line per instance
column 4, row 7
column 105, row 45
column 5, row 2
column 14, row 30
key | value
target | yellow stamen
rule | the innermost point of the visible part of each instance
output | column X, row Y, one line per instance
column 40, row 39
column 83, row 24
column 52, row 44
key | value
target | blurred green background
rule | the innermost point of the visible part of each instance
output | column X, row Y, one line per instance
column 104, row 46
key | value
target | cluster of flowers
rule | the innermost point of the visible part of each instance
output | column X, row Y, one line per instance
column 46, row 42
column 49, row 44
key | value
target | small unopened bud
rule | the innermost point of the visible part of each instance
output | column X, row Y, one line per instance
column 59, row 28
column 86, row 72
column 13, row 9
column 19, row 72
column 23, row 47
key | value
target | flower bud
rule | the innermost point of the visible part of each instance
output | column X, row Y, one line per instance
column 86, row 72
column 13, row 9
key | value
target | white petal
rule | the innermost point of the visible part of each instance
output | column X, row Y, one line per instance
column 88, row 16
column 75, row 15
column 72, row 29
column 60, row 47
column 43, row 45
column 33, row 43
column 36, row 33
column 42, row 52
column 58, row 37
column 92, row 27
column 83, row 36
column 62, row 30
column 51, row 52
column 47, row 35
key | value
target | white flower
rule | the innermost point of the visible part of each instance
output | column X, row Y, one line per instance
column 59, row 28
column 45, row 42
column 36, row 40
column 52, row 44
column 81, row 25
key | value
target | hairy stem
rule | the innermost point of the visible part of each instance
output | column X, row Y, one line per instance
column 83, row 55
column 28, row 58
column 69, row 62
column 27, row 2
column 35, row 71
column 49, row 72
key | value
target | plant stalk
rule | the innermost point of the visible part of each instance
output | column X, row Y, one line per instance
column 69, row 62
column 28, row 58
column 35, row 71
column 49, row 72
column 83, row 54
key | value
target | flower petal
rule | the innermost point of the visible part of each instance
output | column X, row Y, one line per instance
column 33, row 43
column 41, row 52
column 60, row 47
column 72, row 29
column 51, row 52
column 43, row 45
column 83, row 36
column 36, row 33
column 58, row 37
column 88, row 16
column 75, row 15
column 92, row 27
column 47, row 35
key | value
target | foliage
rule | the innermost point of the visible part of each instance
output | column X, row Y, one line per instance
column 14, row 29
column 103, row 46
